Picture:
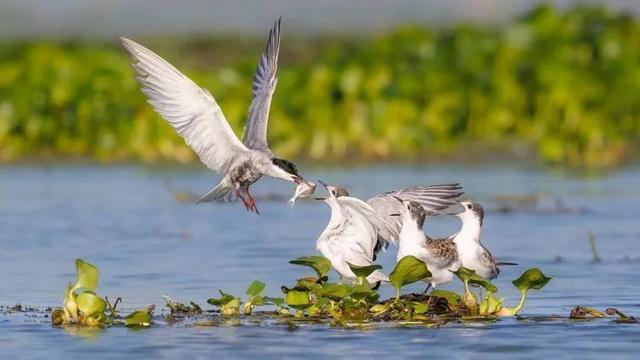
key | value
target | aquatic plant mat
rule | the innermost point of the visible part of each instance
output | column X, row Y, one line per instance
column 313, row 300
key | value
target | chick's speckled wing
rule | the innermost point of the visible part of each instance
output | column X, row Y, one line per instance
column 434, row 199
column 443, row 252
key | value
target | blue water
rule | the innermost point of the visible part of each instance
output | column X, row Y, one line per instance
column 146, row 244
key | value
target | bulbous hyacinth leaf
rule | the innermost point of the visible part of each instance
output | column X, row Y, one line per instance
column 231, row 308
column 320, row 264
column 531, row 279
column 470, row 276
column 90, row 304
column 452, row 298
column 57, row 317
column 255, row 288
column 297, row 299
column 86, row 276
column 138, row 318
column 490, row 305
column 408, row 270
column 96, row 319
column 335, row 291
column 363, row 271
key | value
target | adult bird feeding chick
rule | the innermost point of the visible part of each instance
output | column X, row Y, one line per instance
column 195, row 115
column 358, row 230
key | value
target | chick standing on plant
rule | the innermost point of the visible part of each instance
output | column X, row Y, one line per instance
column 440, row 256
column 472, row 254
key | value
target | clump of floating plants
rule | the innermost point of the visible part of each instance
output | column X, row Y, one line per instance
column 82, row 305
column 316, row 298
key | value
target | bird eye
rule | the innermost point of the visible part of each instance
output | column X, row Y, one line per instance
column 333, row 192
column 469, row 206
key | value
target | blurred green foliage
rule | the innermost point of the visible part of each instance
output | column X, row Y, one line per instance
column 564, row 84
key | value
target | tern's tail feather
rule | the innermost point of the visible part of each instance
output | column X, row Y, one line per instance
column 377, row 276
column 217, row 193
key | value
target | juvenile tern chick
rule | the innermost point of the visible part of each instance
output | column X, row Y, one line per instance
column 440, row 256
column 434, row 199
column 473, row 255
column 351, row 236
column 196, row 116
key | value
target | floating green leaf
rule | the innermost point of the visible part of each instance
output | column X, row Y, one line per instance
column 490, row 304
column 452, row 298
column 531, row 279
column 408, row 270
column 86, row 276
column 419, row 308
column 469, row 276
column 335, row 291
column 225, row 299
column 228, row 304
column 277, row 301
column 256, row 288
column 320, row 264
column 362, row 272
column 140, row 318
column 90, row 304
column 297, row 299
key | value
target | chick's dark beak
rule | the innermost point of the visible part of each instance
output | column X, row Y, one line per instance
column 320, row 198
column 394, row 214
column 455, row 210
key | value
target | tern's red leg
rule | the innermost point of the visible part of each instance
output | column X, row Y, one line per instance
column 252, row 203
column 246, row 204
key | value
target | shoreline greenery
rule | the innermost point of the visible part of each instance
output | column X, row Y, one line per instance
column 563, row 85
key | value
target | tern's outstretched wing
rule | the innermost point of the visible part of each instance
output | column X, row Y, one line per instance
column 364, row 222
column 434, row 198
column 190, row 109
column 264, row 84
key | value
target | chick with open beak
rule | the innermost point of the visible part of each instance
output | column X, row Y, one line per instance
column 350, row 237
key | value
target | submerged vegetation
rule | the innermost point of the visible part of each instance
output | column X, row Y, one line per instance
column 561, row 83
column 314, row 298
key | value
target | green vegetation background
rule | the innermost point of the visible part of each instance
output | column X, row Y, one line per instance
column 564, row 86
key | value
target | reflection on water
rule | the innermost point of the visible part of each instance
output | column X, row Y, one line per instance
column 147, row 244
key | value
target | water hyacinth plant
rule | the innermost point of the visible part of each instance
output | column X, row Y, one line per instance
column 83, row 307
column 315, row 297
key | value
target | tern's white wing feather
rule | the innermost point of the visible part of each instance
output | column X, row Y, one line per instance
column 264, row 84
column 361, row 224
column 434, row 199
column 190, row 109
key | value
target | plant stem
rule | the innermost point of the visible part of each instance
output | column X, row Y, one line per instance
column 523, row 296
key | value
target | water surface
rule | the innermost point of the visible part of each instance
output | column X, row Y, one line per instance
column 146, row 244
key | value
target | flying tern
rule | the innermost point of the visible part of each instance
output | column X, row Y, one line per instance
column 195, row 115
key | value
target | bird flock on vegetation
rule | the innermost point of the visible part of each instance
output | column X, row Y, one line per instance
column 357, row 230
